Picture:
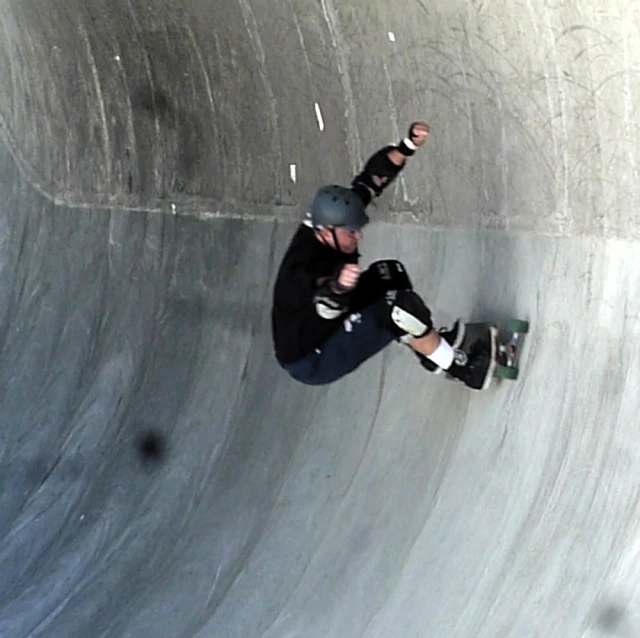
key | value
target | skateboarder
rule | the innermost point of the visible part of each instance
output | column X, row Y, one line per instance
column 328, row 316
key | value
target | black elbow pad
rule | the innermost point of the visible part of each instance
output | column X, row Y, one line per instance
column 378, row 172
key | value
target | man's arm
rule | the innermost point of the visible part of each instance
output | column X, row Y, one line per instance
column 333, row 294
column 385, row 165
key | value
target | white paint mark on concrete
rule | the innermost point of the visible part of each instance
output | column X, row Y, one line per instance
column 319, row 117
column 293, row 173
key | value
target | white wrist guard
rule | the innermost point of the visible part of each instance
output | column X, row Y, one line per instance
column 407, row 147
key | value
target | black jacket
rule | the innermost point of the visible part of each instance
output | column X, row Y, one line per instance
column 297, row 328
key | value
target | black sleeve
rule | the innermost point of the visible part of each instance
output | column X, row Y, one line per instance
column 378, row 172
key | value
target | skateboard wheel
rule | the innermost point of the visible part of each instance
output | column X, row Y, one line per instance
column 517, row 325
column 506, row 372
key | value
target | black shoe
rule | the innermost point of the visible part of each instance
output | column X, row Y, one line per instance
column 476, row 374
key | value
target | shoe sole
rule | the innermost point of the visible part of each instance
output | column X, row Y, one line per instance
column 494, row 358
column 462, row 331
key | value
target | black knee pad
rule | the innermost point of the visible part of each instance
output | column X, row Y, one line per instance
column 390, row 274
column 380, row 166
column 408, row 314
column 379, row 278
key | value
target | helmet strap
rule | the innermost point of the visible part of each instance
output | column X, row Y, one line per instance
column 336, row 245
column 335, row 240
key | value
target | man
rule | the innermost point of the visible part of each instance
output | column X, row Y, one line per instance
column 328, row 317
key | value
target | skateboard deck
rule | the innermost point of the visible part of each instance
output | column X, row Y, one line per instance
column 502, row 342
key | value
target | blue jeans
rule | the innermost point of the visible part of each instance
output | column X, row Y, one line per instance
column 358, row 339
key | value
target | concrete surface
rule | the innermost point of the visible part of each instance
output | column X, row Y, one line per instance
column 160, row 475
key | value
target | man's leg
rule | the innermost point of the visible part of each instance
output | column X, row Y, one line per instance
column 472, row 363
column 425, row 345
column 403, row 317
column 428, row 344
column 360, row 337
column 411, row 322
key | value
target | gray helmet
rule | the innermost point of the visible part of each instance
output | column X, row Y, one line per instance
column 338, row 206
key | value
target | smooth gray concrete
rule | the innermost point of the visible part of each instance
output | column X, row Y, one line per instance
column 147, row 196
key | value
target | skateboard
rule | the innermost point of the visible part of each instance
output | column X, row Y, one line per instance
column 501, row 342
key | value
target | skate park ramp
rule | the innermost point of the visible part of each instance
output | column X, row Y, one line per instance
column 161, row 476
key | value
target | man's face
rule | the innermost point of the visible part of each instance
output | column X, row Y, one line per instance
column 347, row 239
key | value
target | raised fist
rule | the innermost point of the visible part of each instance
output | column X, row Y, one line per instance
column 349, row 276
column 418, row 133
